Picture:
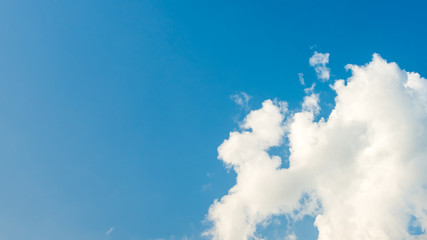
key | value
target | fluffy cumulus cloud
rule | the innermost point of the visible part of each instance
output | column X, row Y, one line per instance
column 319, row 61
column 361, row 172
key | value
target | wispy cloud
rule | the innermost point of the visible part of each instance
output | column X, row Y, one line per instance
column 319, row 61
column 241, row 99
column 360, row 173
column 291, row 237
column 301, row 78
column 109, row 231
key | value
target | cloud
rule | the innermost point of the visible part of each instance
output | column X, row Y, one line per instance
column 291, row 237
column 361, row 172
column 319, row 61
column 109, row 231
column 301, row 78
column 241, row 99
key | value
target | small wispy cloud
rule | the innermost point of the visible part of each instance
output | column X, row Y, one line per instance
column 310, row 89
column 109, row 231
column 301, row 78
column 291, row 237
column 319, row 61
column 172, row 237
column 241, row 99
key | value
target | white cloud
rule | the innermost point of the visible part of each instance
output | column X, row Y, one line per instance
column 241, row 99
column 319, row 61
column 301, row 78
column 361, row 172
column 109, row 231
column 292, row 237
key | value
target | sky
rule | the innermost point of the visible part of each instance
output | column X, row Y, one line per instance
column 112, row 112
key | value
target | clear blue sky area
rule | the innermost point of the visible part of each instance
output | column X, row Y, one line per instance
column 111, row 111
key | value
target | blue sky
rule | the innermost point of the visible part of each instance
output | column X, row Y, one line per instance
column 111, row 112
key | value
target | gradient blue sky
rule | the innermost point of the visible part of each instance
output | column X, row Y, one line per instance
column 111, row 111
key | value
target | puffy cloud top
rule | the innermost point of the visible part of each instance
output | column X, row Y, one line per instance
column 361, row 172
